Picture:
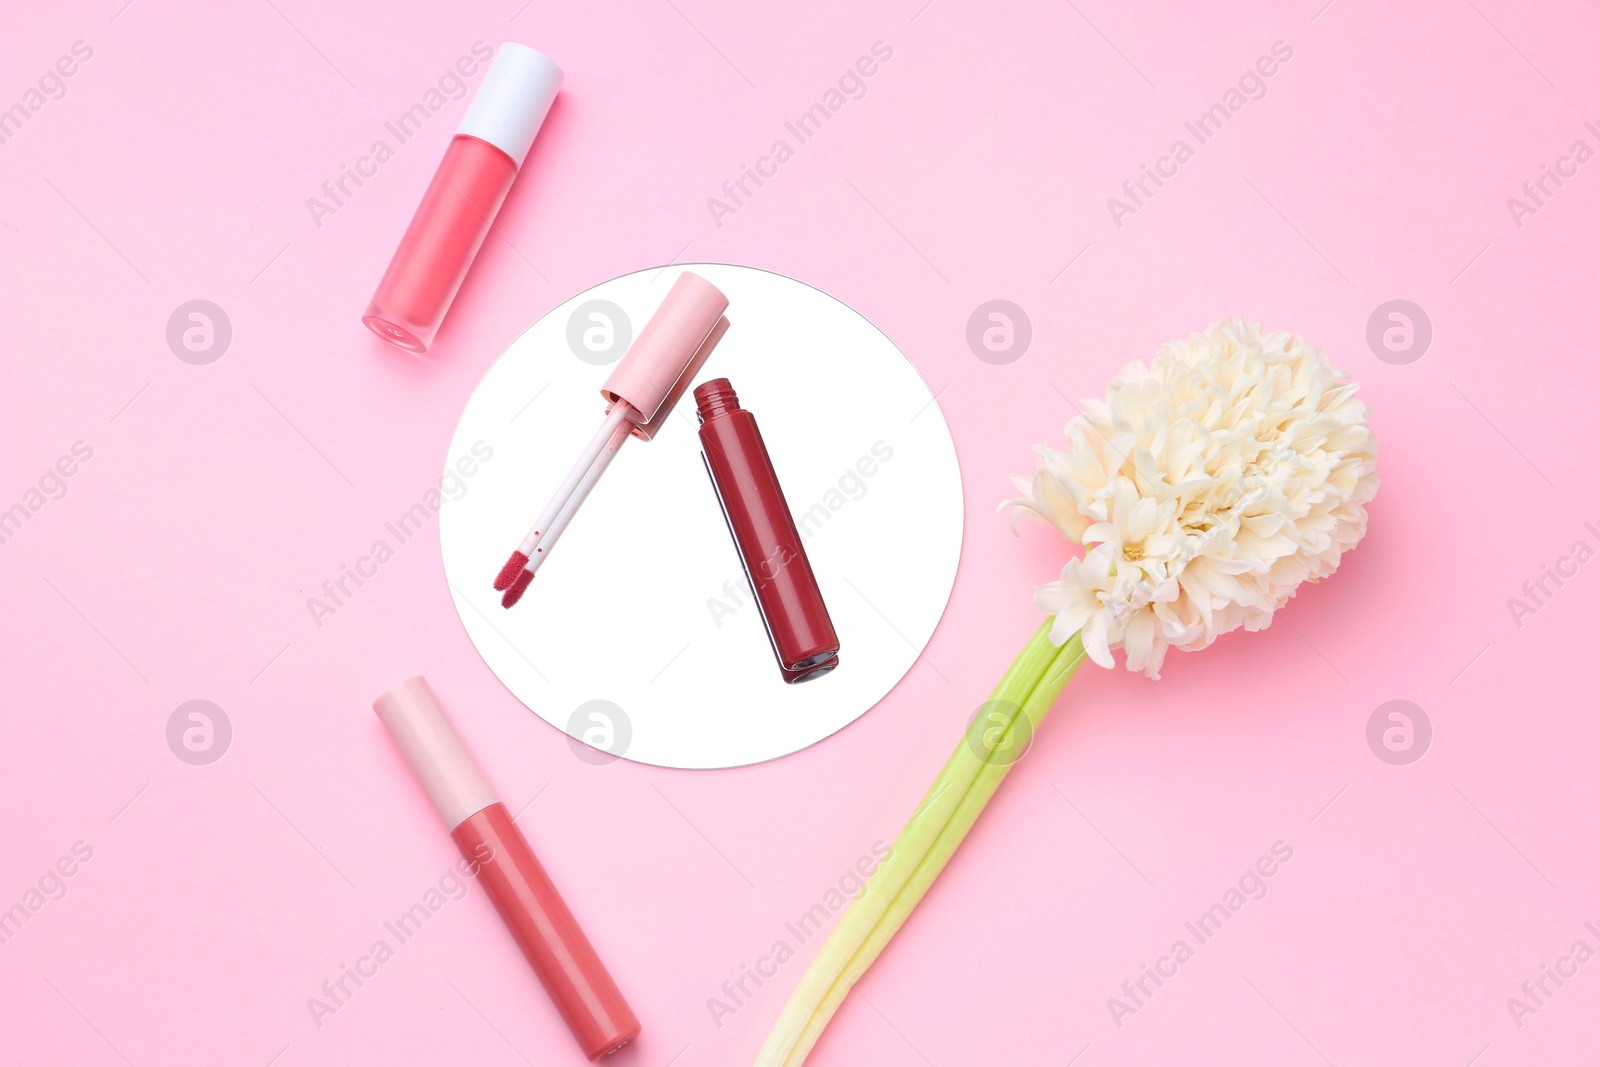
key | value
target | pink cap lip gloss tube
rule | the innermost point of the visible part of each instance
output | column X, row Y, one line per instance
column 463, row 198
column 523, row 894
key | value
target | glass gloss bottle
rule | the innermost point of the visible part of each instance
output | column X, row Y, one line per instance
column 462, row 200
column 764, row 532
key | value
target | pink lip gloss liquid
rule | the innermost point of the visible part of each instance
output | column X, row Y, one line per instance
column 463, row 198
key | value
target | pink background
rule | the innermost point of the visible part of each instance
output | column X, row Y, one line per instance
column 177, row 565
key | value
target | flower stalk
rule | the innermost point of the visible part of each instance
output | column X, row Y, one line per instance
column 1205, row 488
column 952, row 805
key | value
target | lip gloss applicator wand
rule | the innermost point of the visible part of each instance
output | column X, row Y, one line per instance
column 652, row 376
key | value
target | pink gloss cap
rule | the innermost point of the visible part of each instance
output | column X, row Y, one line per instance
column 663, row 359
column 434, row 750
column 647, row 430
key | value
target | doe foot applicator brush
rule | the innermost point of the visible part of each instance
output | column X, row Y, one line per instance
column 510, row 874
column 642, row 391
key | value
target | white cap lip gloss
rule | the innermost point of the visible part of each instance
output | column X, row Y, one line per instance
column 460, row 205
column 539, row 920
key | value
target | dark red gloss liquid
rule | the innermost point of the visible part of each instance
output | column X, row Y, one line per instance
column 546, row 932
column 769, row 544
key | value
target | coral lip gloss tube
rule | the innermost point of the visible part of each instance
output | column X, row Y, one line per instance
column 534, row 912
column 463, row 198
column 764, row 532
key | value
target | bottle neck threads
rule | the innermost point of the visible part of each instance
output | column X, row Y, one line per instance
column 714, row 398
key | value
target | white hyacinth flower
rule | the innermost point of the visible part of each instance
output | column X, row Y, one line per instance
column 1205, row 488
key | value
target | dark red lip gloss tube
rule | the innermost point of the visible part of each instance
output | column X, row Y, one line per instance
column 510, row 874
column 764, row 532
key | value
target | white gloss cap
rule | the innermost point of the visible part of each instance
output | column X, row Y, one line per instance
column 513, row 100
column 434, row 750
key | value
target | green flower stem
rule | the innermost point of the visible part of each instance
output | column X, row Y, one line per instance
column 958, row 796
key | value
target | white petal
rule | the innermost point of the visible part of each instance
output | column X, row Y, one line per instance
column 1096, row 640
column 1140, row 639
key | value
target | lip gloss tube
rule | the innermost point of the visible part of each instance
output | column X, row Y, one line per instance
column 523, row 894
column 462, row 200
column 764, row 532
